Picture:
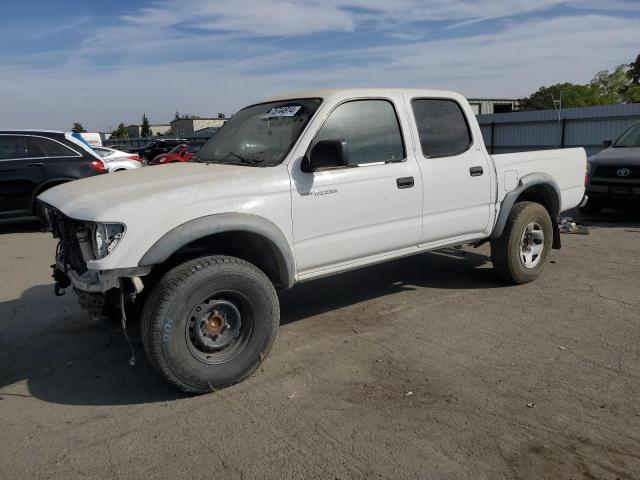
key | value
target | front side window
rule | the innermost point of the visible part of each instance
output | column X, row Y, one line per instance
column 630, row 138
column 50, row 148
column 442, row 127
column 12, row 146
column 259, row 135
column 370, row 128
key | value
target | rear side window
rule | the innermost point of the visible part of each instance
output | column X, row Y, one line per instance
column 12, row 146
column 370, row 128
column 49, row 148
column 442, row 127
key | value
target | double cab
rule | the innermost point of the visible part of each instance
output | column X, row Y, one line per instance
column 291, row 189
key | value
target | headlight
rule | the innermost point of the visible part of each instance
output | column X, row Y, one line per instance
column 163, row 159
column 106, row 237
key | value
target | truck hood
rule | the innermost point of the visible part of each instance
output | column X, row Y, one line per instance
column 161, row 190
column 617, row 156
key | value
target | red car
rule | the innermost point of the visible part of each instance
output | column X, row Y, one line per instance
column 179, row 153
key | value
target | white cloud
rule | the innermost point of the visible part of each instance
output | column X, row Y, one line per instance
column 232, row 69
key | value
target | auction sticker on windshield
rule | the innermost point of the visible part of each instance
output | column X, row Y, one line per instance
column 288, row 111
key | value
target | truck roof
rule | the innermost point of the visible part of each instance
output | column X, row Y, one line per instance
column 330, row 92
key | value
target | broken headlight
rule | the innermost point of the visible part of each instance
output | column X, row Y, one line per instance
column 106, row 237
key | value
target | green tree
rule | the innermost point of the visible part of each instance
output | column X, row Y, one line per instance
column 145, row 128
column 572, row 95
column 177, row 115
column 78, row 128
column 634, row 71
column 120, row 132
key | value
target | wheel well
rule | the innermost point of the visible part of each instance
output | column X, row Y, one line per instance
column 248, row 246
column 544, row 195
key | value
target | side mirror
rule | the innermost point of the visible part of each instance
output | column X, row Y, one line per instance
column 607, row 143
column 326, row 154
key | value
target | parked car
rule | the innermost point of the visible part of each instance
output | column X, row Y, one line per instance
column 156, row 147
column 292, row 189
column 180, row 153
column 117, row 161
column 614, row 173
column 32, row 161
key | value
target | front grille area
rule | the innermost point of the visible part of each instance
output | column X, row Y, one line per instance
column 620, row 175
column 67, row 229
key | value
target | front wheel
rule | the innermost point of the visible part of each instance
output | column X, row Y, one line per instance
column 519, row 254
column 210, row 322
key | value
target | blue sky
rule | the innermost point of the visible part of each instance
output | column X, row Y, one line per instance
column 101, row 63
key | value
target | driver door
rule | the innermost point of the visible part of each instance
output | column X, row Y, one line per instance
column 366, row 209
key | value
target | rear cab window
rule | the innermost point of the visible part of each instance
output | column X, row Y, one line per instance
column 443, row 128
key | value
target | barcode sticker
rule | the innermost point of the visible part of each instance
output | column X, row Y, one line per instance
column 289, row 111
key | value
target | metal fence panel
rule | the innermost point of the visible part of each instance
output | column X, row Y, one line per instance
column 577, row 127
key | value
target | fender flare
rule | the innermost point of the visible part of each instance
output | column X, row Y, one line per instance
column 201, row 227
column 553, row 193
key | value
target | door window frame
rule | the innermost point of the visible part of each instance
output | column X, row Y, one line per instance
column 360, row 99
column 466, row 121
column 77, row 154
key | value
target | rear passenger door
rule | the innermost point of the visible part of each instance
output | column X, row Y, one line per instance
column 455, row 171
column 370, row 207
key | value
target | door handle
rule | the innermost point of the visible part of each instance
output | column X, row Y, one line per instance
column 404, row 182
column 476, row 171
column 35, row 164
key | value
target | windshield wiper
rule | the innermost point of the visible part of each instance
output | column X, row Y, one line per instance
column 249, row 161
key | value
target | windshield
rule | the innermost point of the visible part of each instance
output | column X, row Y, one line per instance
column 259, row 135
column 177, row 148
column 630, row 138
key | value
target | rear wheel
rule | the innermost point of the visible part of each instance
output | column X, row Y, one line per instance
column 210, row 322
column 519, row 254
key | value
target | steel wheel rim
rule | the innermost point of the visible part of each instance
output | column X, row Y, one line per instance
column 219, row 327
column 531, row 245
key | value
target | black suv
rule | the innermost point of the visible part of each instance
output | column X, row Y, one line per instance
column 614, row 173
column 156, row 147
column 32, row 161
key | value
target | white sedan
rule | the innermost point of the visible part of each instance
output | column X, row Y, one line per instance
column 116, row 160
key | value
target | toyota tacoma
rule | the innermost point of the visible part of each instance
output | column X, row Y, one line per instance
column 292, row 189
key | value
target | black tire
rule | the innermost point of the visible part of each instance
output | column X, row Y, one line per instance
column 592, row 207
column 225, row 291
column 512, row 250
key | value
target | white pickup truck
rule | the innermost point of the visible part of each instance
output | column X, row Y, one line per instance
column 291, row 189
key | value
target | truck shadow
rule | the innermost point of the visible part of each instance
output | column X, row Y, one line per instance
column 66, row 358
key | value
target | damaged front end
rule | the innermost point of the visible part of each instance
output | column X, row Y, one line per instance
column 81, row 242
